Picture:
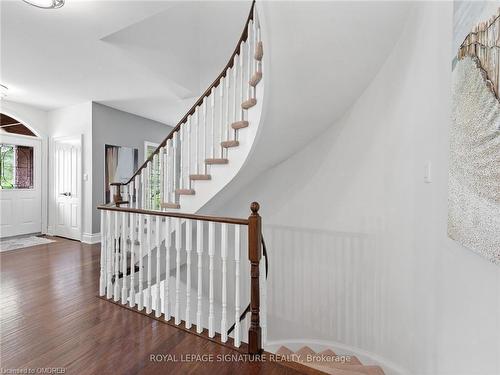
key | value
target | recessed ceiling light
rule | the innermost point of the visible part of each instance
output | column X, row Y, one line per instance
column 45, row 4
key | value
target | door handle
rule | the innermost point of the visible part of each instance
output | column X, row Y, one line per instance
column 67, row 194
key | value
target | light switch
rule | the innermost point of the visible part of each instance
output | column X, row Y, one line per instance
column 428, row 173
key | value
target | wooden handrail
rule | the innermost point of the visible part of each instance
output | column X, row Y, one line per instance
column 215, row 219
column 207, row 92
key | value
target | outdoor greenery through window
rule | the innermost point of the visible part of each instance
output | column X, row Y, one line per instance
column 154, row 180
column 16, row 166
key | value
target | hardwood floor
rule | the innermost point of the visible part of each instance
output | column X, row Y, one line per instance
column 51, row 316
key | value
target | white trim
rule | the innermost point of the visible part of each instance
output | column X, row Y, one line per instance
column 91, row 238
column 366, row 357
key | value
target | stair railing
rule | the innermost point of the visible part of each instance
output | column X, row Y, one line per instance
column 132, row 236
column 204, row 134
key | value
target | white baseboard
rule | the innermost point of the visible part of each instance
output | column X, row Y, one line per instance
column 91, row 238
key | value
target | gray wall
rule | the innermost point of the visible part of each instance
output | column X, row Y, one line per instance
column 115, row 127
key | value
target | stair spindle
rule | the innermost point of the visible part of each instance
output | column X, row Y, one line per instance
column 116, row 235
column 161, row 159
column 189, row 247
column 197, row 142
column 124, row 257
column 158, row 268
column 242, row 80
column 140, row 237
column 178, row 245
column 212, row 128
column 132, row 260
column 182, row 146
column 223, row 322
column 235, row 99
column 225, row 129
column 204, row 154
column 237, row 250
column 221, row 115
column 199, row 250
column 166, row 294
column 175, row 177
column 211, row 252
column 188, row 149
column 109, row 256
column 249, row 61
column 149, row 299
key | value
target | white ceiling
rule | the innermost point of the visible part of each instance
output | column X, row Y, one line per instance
column 150, row 58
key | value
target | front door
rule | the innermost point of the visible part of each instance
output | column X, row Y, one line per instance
column 20, row 185
column 67, row 187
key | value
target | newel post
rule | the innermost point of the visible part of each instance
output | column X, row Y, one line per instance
column 254, row 255
column 116, row 192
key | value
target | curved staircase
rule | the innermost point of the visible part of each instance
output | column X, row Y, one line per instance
column 328, row 362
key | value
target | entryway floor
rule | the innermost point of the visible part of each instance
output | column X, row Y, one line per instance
column 50, row 316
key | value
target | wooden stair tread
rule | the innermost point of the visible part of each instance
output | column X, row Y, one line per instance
column 257, row 76
column 283, row 350
column 239, row 124
column 227, row 144
column 304, row 352
column 200, row 177
column 249, row 103
column 259, row 51
column 170, row 205
column 184, row 191
column 328, row 352
column 216, row 161
column 350, row 369
column 334, row 371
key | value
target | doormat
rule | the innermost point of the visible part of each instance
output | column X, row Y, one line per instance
column 21, row 242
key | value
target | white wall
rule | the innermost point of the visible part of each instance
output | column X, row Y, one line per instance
column 115, row 127
column 357, row 240
column 73, row 121
column 37, row 120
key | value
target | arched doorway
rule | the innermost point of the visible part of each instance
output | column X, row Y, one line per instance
column 20, row 179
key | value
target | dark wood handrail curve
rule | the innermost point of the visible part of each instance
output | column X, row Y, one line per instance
column 230, row 63
column 215, row 219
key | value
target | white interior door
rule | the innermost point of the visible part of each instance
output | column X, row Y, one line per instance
column 67, row 187
column 21, row 197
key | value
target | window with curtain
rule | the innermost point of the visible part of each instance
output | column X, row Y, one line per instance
column 16, row 166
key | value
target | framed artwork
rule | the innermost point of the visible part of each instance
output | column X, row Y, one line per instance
column 474, row 171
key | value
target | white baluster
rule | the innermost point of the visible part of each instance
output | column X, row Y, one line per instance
column 223, row 322
column 136, row 191
column 102, row 276
column 249, row 62
column 188, row 149
column 225, row 128
column 211, row 252
column 109, row 256
column 154, row 181
column 116, row 291
column 197, row 142
column 204, row 153
column 149, row 189
column 189, row 248
column 158, row 268
column 166, row 294
column 124, row 257
column 235, row 97
column 212, row 115
column 166, row 178
column 132, row 260
column 237, row 247
column 221, row 115
column 178, row 245
column 149, row 298
column 263, row 299
column 168, row 171
column 199, row 250
column 140, row 237
column 182, row 146
column 242, row 80
column 174, row 165
column 161, row 174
